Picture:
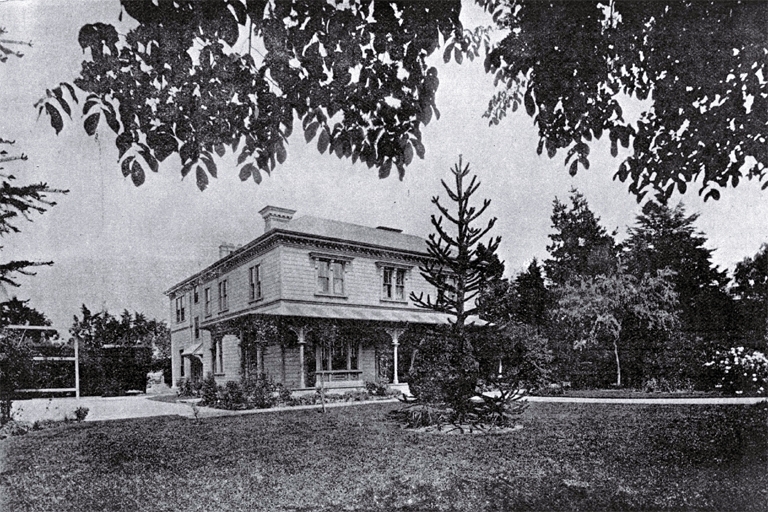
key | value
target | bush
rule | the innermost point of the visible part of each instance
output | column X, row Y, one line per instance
column 260, row 392
column 740, row 371
column 376, row 389
column 80, row 413
column 209, row 391
column 231, row 396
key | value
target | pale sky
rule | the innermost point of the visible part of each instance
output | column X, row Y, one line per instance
column 119, row 247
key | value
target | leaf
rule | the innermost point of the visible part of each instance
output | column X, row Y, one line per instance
column 447, row 52
column 419, row 147
column 210, row 164
column 682, row 187
column 256, row 175
column 151, row 161
column 89, row 105
column 311, row 130
column 385, row 169
column 458, row 55
column 281, row 153
column 220, row 149
column 713, row 193
column 124, row 141
column 56, row 121
column 111, row 117
column 323, row 140
column 91, row 123
column 408, row 154
column 614, row 148
column 126, row 166
column 137, row 173
column 202, row 178
column 530, row 105
column 71, row 91
column 60, row 98
column 185, row 170
column 574, row 167
column 246, row 171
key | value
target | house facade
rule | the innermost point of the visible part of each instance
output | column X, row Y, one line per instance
column 338, row 294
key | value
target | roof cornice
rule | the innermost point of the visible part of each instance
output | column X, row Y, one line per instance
column 287, row 237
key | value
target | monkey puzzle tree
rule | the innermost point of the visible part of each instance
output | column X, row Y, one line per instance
column 459, row 268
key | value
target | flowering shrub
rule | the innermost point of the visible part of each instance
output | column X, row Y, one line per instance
column 740, row 371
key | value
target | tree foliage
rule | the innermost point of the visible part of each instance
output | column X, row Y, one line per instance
column 580, row 245
column 696, row 69
column 750, row 288
column 194, row 78
column 666, row 237
column 95, row 330
column 460, row 264
column 600, row 306
column 18, row 201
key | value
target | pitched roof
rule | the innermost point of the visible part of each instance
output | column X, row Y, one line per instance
column 356, row 233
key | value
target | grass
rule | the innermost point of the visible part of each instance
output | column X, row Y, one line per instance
column 632, row 393
column 567, row 457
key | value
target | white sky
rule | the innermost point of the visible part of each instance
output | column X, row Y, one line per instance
column 118, row 246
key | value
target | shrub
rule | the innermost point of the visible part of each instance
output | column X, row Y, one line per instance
column 376, row 389
column 209, row 391
column 284, row 394
column 231, row 396
column 498, row 410
column 260, row 392
column 419, row 415
column 740, row 371
column 80, row 413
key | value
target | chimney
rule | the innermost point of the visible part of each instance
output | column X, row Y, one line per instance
column 226, row 250
column 275, row 217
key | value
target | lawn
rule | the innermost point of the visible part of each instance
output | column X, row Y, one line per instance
column 567, row 457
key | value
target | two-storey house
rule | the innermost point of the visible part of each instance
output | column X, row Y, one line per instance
column 306, row 273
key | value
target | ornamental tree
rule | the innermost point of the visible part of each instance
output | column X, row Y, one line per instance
column 598, row 307
column 460, row 265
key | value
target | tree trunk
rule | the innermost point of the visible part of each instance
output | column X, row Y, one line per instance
column 618, row 364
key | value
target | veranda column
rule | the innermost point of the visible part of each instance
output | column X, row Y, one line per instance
column 301, row 333
column 395, row 333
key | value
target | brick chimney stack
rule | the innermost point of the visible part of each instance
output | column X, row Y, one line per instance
column 275, row 217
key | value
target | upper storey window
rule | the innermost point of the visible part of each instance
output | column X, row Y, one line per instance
column 223, row 297
column 180, row 313
column 330, row 273
column 254, row 282
column 393, row 286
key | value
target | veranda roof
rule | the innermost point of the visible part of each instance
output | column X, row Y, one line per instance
column 342, row 312
column 194, row 350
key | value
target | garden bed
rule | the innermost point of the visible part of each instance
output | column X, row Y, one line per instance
column 567, row 457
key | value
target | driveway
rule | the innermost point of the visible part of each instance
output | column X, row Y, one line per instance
column 100, row 409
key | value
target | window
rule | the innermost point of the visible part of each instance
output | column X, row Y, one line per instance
column 393, row 283
column 223, row 295
column 217, row 355
column 197, row 327
column 180, row 309
column 330, row 270
column 254, row 282
column 181, row 361
column 330, row 277
column 446, row 292
column 195, row 295
column 338, row 355
column 207, row 297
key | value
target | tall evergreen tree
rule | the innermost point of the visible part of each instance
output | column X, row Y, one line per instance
column 580, row 245
column 666, row 237
column 750, row 288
